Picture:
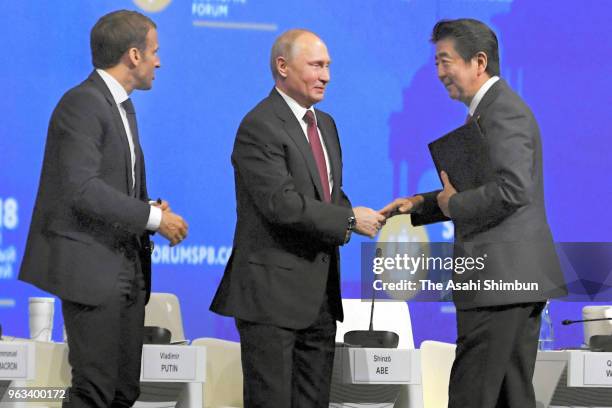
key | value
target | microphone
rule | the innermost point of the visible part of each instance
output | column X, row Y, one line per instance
column 372, row 338
column 371, row 327
column 568, row 322
column 597, row 342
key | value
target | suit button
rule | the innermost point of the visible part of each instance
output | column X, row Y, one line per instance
column 325, row 258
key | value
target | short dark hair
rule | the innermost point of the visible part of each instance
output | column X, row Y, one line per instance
column 115, row 33
column 471, row 37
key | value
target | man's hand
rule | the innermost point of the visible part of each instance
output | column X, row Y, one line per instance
column 445, row 195
column 406, row 205
column 368, row 221
column 173, row 227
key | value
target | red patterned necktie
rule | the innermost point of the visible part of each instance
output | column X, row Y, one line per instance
column 317, row 152
column 468, row 119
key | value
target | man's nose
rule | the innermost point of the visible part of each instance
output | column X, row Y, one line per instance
column 325, row 75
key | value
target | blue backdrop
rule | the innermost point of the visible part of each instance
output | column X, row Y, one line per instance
column 384, row 95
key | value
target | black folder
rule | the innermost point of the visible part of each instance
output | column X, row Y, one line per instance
column 464, row 155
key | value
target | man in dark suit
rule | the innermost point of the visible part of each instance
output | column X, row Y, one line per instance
column 503, row 220
column 282, row 282
column 89, row 236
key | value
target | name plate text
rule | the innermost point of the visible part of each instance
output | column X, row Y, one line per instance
column 169, row 363
column 381, row 365
column 13, row 361
column 598, row 369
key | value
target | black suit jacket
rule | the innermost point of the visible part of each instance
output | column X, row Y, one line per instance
column 286, row 240
column 504, row 218
column 87, row 224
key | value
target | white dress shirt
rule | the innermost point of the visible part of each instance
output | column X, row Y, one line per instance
column 481, row 92
column 120, row 95
column 299, row 111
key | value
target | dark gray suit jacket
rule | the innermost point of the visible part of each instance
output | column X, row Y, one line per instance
column 504, row 218
column 285, row 251
column 87, row 225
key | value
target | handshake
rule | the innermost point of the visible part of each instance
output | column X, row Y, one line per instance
column 172, row 226
column 369, row 221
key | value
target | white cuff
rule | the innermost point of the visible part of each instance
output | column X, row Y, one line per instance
column 155, row 216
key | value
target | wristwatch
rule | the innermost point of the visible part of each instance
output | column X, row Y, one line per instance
column 352, row 222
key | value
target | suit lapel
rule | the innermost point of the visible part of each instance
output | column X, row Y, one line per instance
column 295, row 132
column 333, row 153
column 99, row 83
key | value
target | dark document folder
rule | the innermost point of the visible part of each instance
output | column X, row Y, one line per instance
column 464, row 155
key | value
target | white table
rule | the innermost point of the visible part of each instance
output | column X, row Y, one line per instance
column 573, row 378
column 43, row 364
column 376, row 378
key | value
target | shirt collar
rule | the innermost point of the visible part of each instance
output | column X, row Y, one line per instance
column 481, row 93
column 116, row 89
column 298, row 110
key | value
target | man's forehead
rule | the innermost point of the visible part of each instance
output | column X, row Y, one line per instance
column 445, row 48
column 151, row 38
column 308, row 42
column 312, row 50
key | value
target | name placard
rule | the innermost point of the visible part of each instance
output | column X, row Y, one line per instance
column 382, row 365
column 13, row 360
column 169, row 363
column 598, row 369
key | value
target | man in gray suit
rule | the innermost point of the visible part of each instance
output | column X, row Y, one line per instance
column 503, row 220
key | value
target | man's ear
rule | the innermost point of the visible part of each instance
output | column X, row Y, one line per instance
column 482, row 61
column 133, row 57
column 281, row 66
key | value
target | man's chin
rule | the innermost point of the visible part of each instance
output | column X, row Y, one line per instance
column 144, row 87
column 454, row 95
column 317, row 98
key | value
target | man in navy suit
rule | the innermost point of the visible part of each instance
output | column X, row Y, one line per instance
column 282, row 283
column 89, row 236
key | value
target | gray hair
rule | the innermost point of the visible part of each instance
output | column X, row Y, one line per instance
column 284, row 46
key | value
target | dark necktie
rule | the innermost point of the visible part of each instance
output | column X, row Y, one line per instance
column 468, row 118
column 317, row 152
column 131, row 118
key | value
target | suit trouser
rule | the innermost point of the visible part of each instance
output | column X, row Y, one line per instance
column 286, row 368
column 495, row 357
column 105, row 348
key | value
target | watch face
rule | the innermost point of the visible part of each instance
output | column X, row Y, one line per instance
column 352, row 222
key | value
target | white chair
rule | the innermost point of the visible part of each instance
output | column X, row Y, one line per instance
column 164, row 310
column 223, row 387
column 603, row 327
column 388, row 315
column 436, row 362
